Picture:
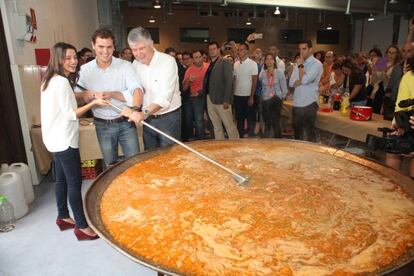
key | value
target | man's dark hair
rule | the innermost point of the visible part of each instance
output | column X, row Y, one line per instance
column 195, row 51
column 307, row 42
column 376, row 51
column 170, row 50
column 245, row 44
column 214, row 43
column 83, row 52
column 186, row 54
column 103, row 33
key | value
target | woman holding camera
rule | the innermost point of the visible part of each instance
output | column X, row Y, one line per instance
column 405, row 91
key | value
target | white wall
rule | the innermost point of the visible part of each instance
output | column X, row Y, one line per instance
column 375, row 33
column 70, row 21
column 402, row 36
column 378, row 33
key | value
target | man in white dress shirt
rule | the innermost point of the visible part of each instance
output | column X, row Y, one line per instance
column 158, row 74
column 111, row 78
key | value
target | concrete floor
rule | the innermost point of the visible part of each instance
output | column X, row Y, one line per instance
column 37, row 247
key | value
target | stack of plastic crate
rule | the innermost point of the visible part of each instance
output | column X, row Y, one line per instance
column 91, row 169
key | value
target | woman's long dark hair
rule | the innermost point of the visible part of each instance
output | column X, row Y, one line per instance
column 349, row 63
column 54, row 67
column 274, row 59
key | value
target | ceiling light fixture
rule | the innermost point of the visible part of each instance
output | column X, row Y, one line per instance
column 329, row 27
column 224, row 3
column 151, row 20
column 157, row 4
column 393, row 2
column 371, row 17
column 248, row 22
column 277, row 11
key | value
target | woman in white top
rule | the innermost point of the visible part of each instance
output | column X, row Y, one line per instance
column 274, row 90
column 59, row 118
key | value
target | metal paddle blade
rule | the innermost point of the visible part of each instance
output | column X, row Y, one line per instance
column 242, row 180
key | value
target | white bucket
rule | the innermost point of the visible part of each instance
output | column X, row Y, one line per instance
column 11, row 186
column 23, row 170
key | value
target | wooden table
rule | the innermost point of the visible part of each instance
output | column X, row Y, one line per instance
column 88, row 145
column 337, row 123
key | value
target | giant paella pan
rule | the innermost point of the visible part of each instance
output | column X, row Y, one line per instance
column 308, row 210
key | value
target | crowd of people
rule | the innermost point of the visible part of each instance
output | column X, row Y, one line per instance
column 227, row 91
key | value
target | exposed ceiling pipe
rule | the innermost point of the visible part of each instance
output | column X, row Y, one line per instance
column 254, row 12
column 385, row 7
column 170, row 11
column 348, row 7
column 210, row 10
column 287, row 15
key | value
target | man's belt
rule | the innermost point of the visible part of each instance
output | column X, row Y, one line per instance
column 111, row 121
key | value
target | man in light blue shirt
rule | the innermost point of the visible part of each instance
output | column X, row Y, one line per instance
column 305, row 79
column 113, row 79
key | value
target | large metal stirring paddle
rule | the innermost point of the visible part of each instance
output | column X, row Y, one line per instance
column 241, row 180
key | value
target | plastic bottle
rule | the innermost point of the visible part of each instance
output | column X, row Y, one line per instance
column 23, row 170
column 344, row 104
column 11, row 186
column 4, row 168
column 7, row 219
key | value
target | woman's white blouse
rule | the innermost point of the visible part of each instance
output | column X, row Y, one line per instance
column 60, row 129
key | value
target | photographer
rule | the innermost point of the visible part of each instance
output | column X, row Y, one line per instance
column 405, row 91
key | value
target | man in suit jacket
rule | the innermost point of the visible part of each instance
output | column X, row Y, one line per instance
column 218, row 83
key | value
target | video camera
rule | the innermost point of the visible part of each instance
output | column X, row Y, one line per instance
column 403, row 144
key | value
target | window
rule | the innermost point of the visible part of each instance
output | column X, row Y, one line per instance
column 290, row 36
column 239, row 35
column 195, row 35
column 327, row 37
column 155, row 34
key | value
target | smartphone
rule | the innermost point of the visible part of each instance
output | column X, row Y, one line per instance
column 381, row 64
column 257, row 36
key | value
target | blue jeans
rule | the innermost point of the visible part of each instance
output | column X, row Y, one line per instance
column 193, row 111
column 169, row 123
column 69, row 182
column 110, row 134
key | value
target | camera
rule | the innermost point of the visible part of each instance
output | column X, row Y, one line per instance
column 403, row 144
column 227, row 46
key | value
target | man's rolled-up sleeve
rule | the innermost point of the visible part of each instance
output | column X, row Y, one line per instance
column 131, row 83
column 312, row 74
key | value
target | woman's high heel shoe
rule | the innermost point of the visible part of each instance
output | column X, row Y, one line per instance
column 83, row 236
column 64, row 225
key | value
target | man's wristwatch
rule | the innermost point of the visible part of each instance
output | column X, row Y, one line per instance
column 136, row 108
column 146, row 113
column 301, row 66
